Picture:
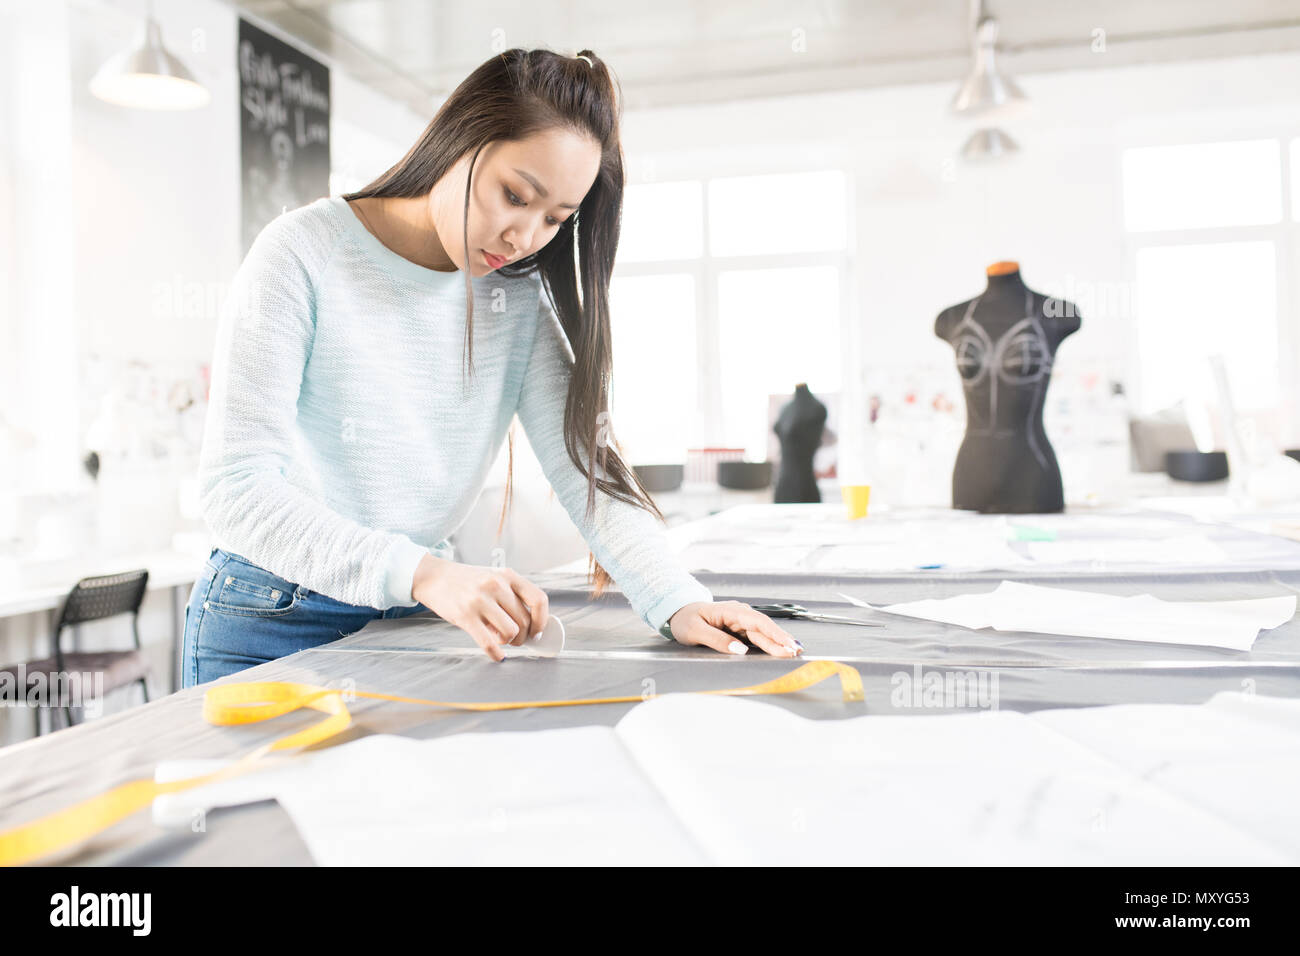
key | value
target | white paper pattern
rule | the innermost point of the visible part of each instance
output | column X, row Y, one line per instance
column 1016, row 606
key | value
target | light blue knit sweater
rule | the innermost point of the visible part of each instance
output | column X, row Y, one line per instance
column 339, row 444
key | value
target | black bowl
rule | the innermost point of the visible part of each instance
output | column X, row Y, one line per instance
column 1196, row 465
column 744, row 475
column 660, row 477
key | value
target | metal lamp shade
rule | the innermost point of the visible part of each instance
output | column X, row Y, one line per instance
column 149, row 78
column 987, row 93
column 988, row 144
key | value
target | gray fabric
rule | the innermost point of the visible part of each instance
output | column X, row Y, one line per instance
column 609, row 652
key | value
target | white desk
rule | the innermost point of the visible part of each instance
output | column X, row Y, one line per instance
column 30, row 587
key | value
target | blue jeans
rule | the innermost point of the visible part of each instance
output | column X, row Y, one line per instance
column 241, row 615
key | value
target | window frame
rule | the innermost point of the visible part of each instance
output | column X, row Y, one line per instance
column 1284, row 234
column 706, row 269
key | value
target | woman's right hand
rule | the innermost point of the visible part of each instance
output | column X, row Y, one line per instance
column 495, row 606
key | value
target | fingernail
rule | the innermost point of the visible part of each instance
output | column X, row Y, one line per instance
column 735, row 647
column 536, row 636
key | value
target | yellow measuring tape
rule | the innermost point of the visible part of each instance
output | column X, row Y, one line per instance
column 249, row 703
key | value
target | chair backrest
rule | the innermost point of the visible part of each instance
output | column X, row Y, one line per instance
column 93, row 598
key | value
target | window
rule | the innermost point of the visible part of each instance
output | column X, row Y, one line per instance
column 766, row 215
column 662, row 221
column 653, row 400
column 701, row 343
column 1194, row 301
column 1212, row 281
column 1202, row 185
column 778, row 328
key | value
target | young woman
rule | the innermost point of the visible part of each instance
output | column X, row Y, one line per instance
column 353, row 416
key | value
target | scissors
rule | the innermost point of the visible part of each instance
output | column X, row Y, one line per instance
column 799, row 612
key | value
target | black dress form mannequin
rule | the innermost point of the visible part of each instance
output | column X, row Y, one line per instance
column 799, row 427
column 1006, row 340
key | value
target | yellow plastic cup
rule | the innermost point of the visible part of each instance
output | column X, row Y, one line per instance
column 855, row 499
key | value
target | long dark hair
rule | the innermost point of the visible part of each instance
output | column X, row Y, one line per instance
column 508, row 98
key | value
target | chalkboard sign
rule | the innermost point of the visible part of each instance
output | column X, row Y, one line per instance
column 284, row 128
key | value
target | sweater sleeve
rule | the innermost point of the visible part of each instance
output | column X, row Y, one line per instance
column 264, row 338
column 628, row 541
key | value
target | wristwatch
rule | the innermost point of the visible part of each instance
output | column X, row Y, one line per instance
column 666, row 630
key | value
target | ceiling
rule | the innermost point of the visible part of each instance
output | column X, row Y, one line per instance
column 689, row 51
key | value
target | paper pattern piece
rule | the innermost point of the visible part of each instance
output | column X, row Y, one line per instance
column 994, row 787
column 695, row 779
column 1016, row 606
column 568, row 796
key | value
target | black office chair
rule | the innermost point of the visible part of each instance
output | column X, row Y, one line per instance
column 93, row 599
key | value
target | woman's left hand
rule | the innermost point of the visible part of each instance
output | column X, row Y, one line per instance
column 703, row 623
